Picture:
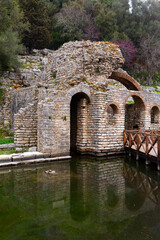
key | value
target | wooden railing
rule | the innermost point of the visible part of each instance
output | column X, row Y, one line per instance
column 143, row 141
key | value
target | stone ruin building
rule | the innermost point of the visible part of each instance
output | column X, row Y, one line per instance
column 60, row 100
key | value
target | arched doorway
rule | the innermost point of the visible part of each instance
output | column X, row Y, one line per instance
column 78, row 121
column 112, row 113
column 154, row 115
column 134, row 112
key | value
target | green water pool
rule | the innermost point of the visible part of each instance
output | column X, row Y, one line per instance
column 85, row 198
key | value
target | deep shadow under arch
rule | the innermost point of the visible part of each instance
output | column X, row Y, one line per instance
column 78, row 107
column 134, row 112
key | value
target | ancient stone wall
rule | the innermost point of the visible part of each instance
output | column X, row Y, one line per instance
column 53, row 126
column 25, row 126
column 75, row 107
column 96, row 122
column 21, row 98
column 75, row 62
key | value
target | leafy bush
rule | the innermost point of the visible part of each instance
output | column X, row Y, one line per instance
column 6, row 140
column 5, row 132
column 9, row 49
column 128, row 50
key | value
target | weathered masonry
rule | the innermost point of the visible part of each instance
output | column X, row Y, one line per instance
column 65, row 103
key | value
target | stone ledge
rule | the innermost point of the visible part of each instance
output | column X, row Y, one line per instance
column 7, row 146
column 24, row 162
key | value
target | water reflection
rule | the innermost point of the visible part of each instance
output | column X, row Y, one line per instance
column 98, row 188
column 86, row 199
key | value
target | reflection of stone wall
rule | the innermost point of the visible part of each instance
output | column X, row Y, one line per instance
column 77, row 205
column 102, row 190
column 94, row 181
column 40, row 193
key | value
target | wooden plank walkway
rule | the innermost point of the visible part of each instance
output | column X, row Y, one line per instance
column 145, row 142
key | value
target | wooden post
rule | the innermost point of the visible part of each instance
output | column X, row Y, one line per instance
column 158, row 157
column 130, row 144
column 151, row 135
column 147, row 148
column 138, row 143
column 125, row 141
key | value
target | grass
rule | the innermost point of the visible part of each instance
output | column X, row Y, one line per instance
column 6, row 140
column 54, row 75
column 8, row 151
column 130, row 101
column 11, row 151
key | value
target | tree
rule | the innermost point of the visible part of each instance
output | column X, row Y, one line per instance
column 107, row 24
column 11, row 16
column 11, row 27
column 128, row 50
column 39, row 35
column 10, row 47
column 72, row 20
column 148, row 57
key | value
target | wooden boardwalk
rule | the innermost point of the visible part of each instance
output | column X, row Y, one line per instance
column 145, row 143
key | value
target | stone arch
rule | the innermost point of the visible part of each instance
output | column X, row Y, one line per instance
column 113, row 111
column 79, row 120
column 135, row 112
column 154, row 114
column 129, row 82
column 135, row 96
column 79, row 89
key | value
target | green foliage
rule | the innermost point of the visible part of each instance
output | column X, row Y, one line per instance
column 6, row 140
column 54, row 75
column 2, row 98
column 1, row 93
column 38, row 35
column 50, row 23
column 106, row 22
column 8, row 151
column 156, row 78
column 9, row 48
column 72, row 20
column 141, row 77
column 5, row 132
column 11, row 16
column 56, row 36
column 11, row 28
column 84, row 79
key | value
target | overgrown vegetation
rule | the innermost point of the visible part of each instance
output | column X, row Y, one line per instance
column 134, row 25
column 6, row 140
column 11, row 28
column 5, row 132
column 8, row 151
